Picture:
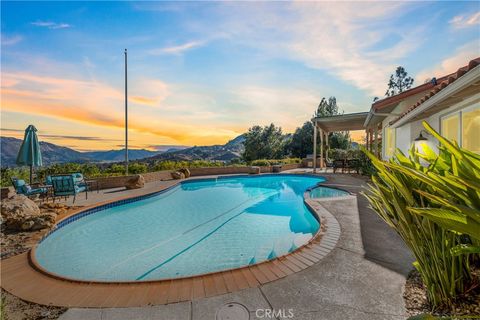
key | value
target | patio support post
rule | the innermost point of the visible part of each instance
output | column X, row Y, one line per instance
column 371, row 139
column 321, row 148
column 327, row 147
column 366, row 138
column 376, row 141
column 314, row 146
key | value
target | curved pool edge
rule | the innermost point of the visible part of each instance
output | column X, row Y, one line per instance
column 319, row 246
column 104, row 205
column 84, row 211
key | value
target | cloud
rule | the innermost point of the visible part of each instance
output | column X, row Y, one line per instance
column 51, row 24
column 341, row 38
column 179, row 49
column 10, row 40
column 144, row 100
column 164, row 147
column 460, row 58
column 465, row 21
column 66, row 99
column 61, row 137
column 290, row 107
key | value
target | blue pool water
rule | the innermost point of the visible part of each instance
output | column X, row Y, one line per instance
column 194, row 228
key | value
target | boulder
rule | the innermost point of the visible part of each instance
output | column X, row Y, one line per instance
column 185, row 171
column 22, row 214
column 135, row 182
column 55, row 207
column 178, row 175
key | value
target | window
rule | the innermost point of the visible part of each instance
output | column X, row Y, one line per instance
column 451, row 126
column 464, row 127
column 389, row 141
column 471, row 129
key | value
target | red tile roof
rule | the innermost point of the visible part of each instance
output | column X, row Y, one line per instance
column 442, row 83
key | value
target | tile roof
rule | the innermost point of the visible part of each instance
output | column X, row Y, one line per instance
column 442, row 83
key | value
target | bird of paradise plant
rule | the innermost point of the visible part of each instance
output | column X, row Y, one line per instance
column 432, row 200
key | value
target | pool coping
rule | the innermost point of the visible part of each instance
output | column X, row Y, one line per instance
column 255, row 275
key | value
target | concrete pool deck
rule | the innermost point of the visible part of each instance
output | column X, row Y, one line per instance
column 361, row 278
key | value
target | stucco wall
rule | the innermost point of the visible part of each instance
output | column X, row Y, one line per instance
column 407, row 133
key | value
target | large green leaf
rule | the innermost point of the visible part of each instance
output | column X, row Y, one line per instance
column 464, row 249
column 450, row 220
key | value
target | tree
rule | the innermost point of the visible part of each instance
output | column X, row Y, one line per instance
column 328, row 108
column 302, row 141
column 399, row 82
column 264, row 143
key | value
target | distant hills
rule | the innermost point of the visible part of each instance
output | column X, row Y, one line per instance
column 227, row 152
column 119, row 155
column 52, row 153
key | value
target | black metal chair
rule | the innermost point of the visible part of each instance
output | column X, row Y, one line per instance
column 353, row 164
column 338, row 164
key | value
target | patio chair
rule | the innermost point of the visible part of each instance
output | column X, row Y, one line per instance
column 21, row 187
column 64, row 186
column 338, row 164
column 353, row 164
column 48, row 181
column 79, row 179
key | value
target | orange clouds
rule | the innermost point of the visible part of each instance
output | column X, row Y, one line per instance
column 99, row 105
column 143, row 100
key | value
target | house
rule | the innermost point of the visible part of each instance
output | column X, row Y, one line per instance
column 450, row 104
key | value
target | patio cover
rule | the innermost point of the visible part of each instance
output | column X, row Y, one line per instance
column 342, row 122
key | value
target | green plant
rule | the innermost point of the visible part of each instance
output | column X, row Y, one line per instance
column 261, row 162
column 433, row 202
column 366, row 166
column 337, row 154
column 137, row 167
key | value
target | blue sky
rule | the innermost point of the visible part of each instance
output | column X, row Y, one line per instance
column 203, row 72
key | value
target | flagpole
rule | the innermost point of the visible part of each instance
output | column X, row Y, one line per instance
column 126, row 117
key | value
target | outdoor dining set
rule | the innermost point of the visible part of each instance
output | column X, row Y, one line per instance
column 345, row 165
column 54, row 186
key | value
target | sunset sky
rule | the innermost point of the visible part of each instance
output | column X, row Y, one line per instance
column 203, row 73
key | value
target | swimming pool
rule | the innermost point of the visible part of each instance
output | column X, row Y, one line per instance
column 196, row 227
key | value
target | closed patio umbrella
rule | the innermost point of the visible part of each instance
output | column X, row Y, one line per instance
column 29, row 153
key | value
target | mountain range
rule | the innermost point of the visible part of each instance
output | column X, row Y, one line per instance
column 231, row 150
column 52, row 153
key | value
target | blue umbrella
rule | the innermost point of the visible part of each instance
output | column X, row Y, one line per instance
column 29, row 153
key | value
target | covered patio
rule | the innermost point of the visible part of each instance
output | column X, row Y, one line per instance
column 345, row 122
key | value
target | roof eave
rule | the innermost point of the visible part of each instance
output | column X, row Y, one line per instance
column 459, row 84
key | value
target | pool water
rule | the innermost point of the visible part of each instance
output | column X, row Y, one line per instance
column 324, row 192
column 194, row 228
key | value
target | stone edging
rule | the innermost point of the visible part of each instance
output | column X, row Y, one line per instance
column 232, row 280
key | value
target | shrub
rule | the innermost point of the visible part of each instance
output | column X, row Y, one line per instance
column 8, row 173
column 337, row 154
column 260, row 162
column 137, row 168
column 290, row 160
column 366, row 166
column 433, row 202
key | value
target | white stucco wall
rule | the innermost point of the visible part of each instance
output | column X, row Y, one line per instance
column 407, row 133
column 403, row 135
